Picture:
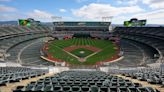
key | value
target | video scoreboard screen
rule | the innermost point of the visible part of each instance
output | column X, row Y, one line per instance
column 134, row 23
column 23, row 22
column 29, row 22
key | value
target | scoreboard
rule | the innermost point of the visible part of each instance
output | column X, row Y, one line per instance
column 24, row 22
column 135, row 23
column 28, row 22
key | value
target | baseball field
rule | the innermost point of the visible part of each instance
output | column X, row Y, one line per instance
column 83, row 51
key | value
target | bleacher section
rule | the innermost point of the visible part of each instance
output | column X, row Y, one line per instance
column 135, row 54
column 151, row 36
column 132, row 55
column 16, row 74
column 14, row 39
column 6, row 31
column 95, row 29
column 84, row 81
column 153, row 76
column 31, row 54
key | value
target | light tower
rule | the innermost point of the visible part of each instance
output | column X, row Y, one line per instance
column 56, row 18
column 108, row 19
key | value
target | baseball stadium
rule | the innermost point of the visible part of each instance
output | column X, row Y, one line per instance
column 100, row 48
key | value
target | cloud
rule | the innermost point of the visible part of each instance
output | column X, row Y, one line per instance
column 156, row 21
column 120, row 19
column 129, row 2
column 151, row 15
column 4, row 8
column 5, row 0
column 152, row 1
column 80, row 1
column 62, row 10
column 9, row 17
column 40, row 15
column 155, row 4
column 35, row 14
column 95, row 10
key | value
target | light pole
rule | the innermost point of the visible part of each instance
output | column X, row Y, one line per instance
column 56, row 18
column 107, row 18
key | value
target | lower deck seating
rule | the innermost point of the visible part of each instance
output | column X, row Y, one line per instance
column 8, row 43
column 84, row 81
column 150, row 75
column 132, row 55
column 16, row 74
column 30, row 54
column 135, row 54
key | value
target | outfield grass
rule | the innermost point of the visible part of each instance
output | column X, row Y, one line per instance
column 56, row 48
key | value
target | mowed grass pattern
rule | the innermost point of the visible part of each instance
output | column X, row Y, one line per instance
column 56, row 49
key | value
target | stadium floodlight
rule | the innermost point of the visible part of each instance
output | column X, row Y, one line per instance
column 107, row 18
column 56, row 18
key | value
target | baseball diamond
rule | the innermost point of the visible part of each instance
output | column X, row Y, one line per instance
column 89, row 50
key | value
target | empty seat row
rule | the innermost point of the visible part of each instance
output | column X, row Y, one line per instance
column 16, row 74
column 64, row 82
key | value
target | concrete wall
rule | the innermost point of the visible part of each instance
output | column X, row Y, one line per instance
column 57, row 69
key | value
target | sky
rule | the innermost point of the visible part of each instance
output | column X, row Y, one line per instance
column 115, row 11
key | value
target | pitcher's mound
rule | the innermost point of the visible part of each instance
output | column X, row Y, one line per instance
column 82, row 52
